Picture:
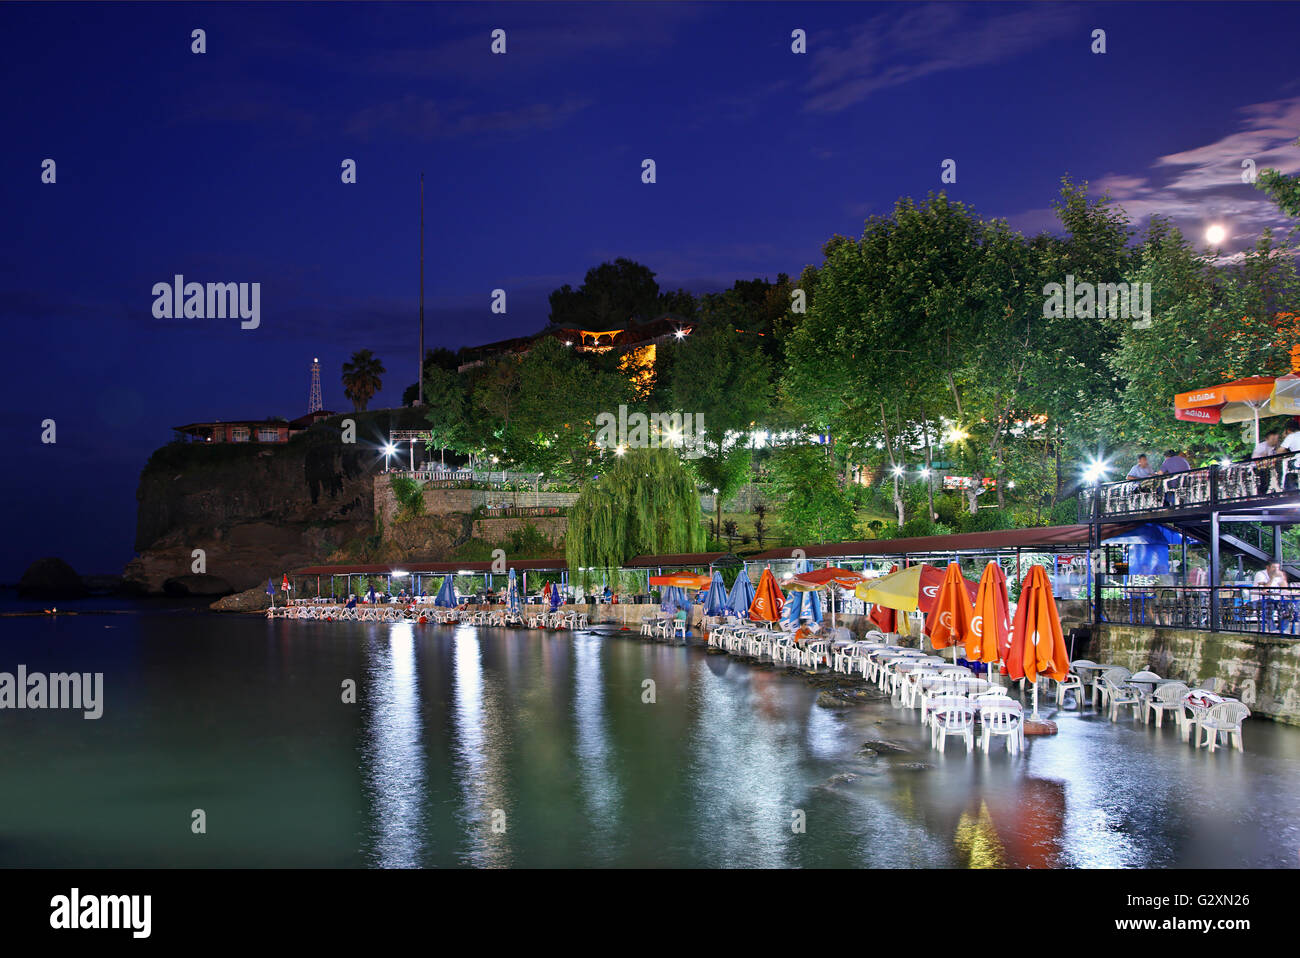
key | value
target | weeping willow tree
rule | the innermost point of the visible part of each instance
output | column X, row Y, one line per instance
column 645, row 502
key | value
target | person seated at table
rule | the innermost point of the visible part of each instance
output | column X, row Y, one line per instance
column 1269, row 447
column 1173, row 462
column 1291, row 439
column 1142, row 469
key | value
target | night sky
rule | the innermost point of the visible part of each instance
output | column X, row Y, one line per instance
column 225, row 167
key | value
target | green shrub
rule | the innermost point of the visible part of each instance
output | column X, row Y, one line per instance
column 409, row 495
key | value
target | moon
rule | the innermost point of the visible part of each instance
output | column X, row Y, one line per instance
column 1215, row 235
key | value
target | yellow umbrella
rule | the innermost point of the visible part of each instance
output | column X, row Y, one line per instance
column 1285, row 400
column 899, row 590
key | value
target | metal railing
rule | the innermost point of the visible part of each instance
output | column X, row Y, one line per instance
column 1237, row 483
column 1272, row 611
column 501, row 477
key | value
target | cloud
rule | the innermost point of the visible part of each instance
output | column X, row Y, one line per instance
column 892, row 49
column 1203, row 184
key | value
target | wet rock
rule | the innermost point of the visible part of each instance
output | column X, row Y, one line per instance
column 881, row 747
column 913, row 767
column 1039, row 728
column 840, row 778
column 51, row 578
column 194, row 584
column 832, row 701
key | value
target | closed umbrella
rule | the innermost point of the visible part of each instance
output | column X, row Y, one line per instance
column 792, row 610
column 950, row 617
column 1037, row 643
column 742, row 593
column 717, row 602
column 556, row 597
column 989, row 638
column 446, row 596
column 512, row 594
column 270, row 590
column 768, row 600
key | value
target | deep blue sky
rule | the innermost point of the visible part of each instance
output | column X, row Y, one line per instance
column 225, row 167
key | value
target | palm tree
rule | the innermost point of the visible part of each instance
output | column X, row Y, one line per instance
column 361, row 378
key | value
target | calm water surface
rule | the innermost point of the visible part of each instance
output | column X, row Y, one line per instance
column 457, row 729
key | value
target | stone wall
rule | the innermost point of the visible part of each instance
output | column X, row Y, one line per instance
column 1261, row 670
column 498, row 530
column 440, row 502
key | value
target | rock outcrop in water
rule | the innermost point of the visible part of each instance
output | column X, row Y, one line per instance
column 51, row 578
column 250, row 600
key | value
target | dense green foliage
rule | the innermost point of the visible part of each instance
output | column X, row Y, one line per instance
column 642, row 503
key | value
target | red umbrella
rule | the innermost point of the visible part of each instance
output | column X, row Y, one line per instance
column 883, row 616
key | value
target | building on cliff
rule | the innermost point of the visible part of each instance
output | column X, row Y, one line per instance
column 637, row 338
column 248, row 430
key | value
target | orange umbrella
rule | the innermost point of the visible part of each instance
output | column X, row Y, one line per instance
column 768, row 599
column 989, row 638
column 684, row 580
column 1037, row 645
column 950, row 617
column 1238, row 401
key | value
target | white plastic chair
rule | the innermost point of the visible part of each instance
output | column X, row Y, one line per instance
column 1004, row 720
column 1168, row 698
column 1118, row 676
column 952, row 715
column 1223, row 719
column 1120, row 696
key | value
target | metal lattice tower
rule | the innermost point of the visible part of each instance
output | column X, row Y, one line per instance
column 314, row 403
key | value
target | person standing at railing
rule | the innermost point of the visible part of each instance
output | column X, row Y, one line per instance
column 1141, row 470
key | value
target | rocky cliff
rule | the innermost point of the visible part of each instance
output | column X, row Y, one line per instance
column 255, row 510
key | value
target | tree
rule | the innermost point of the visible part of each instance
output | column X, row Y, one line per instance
column 611, row 294
column 814, row 507
column 722, row 376
column 1282, row 189
column 440, row 358
column 362, row 378
column 446, row 394
column 643, row 502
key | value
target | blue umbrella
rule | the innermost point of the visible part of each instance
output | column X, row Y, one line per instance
column 793, row 609
column 371, row 594
column 270, row 590
column 813, row 606
column 512, row 594
column 742, row 593
column 716, row 602
column 556, row 598
column 447, row 594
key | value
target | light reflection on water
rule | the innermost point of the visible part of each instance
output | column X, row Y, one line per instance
column 242, row 717
column 394, row 754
